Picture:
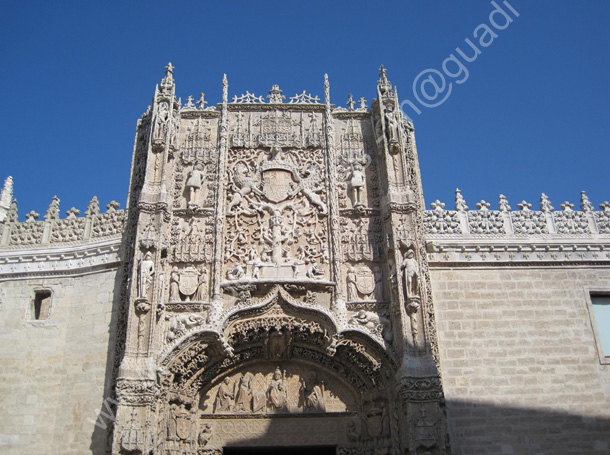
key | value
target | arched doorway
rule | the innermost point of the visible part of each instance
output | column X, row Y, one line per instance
column 289, row 381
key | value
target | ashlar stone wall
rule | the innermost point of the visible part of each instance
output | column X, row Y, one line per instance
column 520, row 368
column 55, row 373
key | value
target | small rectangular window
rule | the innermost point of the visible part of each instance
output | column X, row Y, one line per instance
column 42, row 304
column 601, row 310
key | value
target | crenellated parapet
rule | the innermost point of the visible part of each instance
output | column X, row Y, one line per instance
column 521, row 236
column 53, row 230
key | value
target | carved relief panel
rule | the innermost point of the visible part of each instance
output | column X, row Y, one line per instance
column 276, row 215
column 196, row 164
column 357, row 168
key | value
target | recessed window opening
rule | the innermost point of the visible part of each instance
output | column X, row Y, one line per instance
column 42, row 304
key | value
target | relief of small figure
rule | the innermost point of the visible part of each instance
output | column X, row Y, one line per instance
column 314, row 272
column 243, row 396
column 224, row 397
column 277, row 392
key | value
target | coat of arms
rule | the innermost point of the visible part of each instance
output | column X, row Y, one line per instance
column 189, row 280
column 365, row 281
column 183, row 425
column 277, row 184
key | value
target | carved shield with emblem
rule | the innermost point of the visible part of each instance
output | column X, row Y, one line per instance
column 189, row 279
column 365, row 281
column 183, row 426
column 277, row 184
column 374, row 422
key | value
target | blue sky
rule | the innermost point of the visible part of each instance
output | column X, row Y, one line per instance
column 533, row 115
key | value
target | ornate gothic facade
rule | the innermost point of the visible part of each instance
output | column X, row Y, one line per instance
column 273, row 283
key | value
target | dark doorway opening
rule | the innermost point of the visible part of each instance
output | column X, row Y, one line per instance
column 310, row 450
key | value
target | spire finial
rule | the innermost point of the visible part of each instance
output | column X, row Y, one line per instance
column 383, row 83
column 169, row 69
column 6, row 196
column 202, row 102
column 326, row 90
column 225, row 89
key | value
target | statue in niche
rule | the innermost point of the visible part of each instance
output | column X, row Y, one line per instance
column 194, row 182
column 313, row 394
column 410, row 269
column 224, row 397
column 357, row 184
column 205, row 435
column 277, row 343
column 201, row 292
column 171, row 423
column 352, row 291
column 378, row 274
column 392, row 126
column 147, row 271
column 243, row 395
column 161, row 121
column 174, row 285
column 277, row 392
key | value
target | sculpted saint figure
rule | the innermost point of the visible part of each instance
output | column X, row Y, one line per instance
column 201, row 294
column 174, row 285
column 411, row 274
column 243, row 398
column 147, row 271
column 276, row 392
column 194, row 183
column 352, row 291
column 224, row 397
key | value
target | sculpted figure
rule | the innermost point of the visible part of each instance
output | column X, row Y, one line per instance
column 276, row 392
column 314, row 272
column 147, row 271
column 174, row 285
column 378, row 283
column 194, row 183
column 205, row 435
column 311, row 186
column 357, row 184
column 242, row 185
column 392, row 126
column 313, row 396
column 171, row 423
column 243, row 398
column 224, row 397
column 236, row 272
column 201, row 292
column 410, row 269
column 352, row 291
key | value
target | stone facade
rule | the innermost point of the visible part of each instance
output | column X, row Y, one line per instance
column 275, row 281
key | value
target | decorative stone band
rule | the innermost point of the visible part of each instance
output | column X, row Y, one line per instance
column 420, row 389
column 71, row 230
column 63, row 261
column 524, row 222
column 517, row 251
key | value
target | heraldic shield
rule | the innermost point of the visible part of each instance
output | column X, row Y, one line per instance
column 189, row 280
column 365, row 281
column 277, row 184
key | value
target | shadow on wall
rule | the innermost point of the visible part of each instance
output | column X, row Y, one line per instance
column 481, row 429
